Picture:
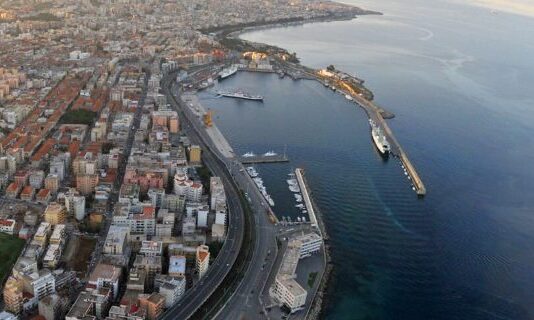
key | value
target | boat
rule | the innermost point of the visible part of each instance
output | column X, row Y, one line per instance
column 333, row 88
column 227, row 72
column 300, row 206
column 249, row 155
column 292, row 182
column 270, row 154
column 269, row 200
column 252, row 172
column 298, row 197
column 298, row 219
column 379, row 139
column 239, row 94
column 294, row 188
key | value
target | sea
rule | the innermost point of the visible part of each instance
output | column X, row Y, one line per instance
column 459, row 76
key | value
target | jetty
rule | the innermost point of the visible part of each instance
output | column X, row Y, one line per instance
column 299, row 174
column 374, row 112
column 264, row 159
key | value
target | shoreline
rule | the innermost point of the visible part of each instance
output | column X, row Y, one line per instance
column 320, row 300
column 230, row 35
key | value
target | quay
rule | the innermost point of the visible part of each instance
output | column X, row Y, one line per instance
column 306, row 197
column 375, row 113
column 264, row 159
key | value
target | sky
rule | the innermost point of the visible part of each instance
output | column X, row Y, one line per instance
column 520, row 7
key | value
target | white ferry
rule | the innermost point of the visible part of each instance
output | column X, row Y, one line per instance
column 239, row 94
column 227, row 72
column 379, row 139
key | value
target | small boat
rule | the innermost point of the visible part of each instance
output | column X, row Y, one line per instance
column 294, row 188
column 348, row 97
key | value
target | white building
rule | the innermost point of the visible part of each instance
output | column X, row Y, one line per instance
column 201, row 211
column 309, row 243
column 7, row 226
column 75, row 204
column 42, row 283
column 151, row 248
column 105, row 276
column 172, row 288
column 286, row 290
column 116, row 240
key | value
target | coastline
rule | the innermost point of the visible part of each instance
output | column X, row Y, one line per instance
column 319, row 302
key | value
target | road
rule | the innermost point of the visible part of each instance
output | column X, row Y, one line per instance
column 200, row 292
column 245, row 302
column 120, row 175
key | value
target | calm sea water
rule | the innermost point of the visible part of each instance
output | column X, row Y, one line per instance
column 459, row 80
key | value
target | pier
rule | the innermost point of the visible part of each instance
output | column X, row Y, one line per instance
column 375, row 113
column 306, row 197
column 264, row 159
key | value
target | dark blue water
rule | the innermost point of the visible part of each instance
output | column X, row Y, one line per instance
column 459, row 79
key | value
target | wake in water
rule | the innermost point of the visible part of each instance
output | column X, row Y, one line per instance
column 390, row 212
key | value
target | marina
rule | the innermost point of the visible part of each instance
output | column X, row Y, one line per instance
column 259, row 183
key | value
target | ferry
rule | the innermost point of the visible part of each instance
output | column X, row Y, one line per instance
column 270, row 154
column 379, row 139
column 249, row 155
column 238, row 94
column 227, row 72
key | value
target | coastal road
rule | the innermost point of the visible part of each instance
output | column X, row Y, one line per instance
column 245, row 302
column 265, row 245
column 199, row 293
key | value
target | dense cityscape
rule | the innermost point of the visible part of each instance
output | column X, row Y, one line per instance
column 120, row 199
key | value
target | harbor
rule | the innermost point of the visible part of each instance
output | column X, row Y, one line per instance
column 352, row 89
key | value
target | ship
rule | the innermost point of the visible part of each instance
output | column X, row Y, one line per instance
column 379, row 139
column 239, row 95
column 227, row 72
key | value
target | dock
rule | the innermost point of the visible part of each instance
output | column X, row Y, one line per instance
column 264, row 159
column 299, row 173
column 374, row 113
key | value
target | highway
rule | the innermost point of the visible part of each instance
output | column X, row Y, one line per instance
column 199, row 293
column 245, row 302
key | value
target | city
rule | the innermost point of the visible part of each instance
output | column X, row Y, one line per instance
column 266, row 160
column 119, row 200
